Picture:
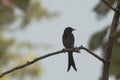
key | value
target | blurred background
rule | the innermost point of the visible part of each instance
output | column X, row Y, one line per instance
column 32, row 28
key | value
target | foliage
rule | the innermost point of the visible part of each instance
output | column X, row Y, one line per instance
column 30, row 9
column 99, row 39
column 10, row 49
column 6, row 17
column 32, row 71
column 5, row 45
column 102, row 9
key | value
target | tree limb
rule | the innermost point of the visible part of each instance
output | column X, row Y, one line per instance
column 109, row 6
column 110, row 44
column 95, row 55
column 76, row 49
column 30, row 62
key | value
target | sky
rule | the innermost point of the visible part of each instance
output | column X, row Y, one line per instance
column 79, row 15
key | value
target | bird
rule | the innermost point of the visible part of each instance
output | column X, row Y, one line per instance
column 68, row 42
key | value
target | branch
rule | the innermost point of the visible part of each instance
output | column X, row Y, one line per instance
column 110, row 43
column 109, row 6
column 77, row 49
column 95, row 55
column 30, row 62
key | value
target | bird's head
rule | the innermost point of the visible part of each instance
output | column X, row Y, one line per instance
column 69, row 29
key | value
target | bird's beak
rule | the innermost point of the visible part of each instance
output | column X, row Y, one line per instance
column 73, row 29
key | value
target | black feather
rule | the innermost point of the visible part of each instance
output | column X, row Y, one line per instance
column 68, row 42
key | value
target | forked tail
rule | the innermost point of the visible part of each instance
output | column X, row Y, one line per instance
column 71, row 61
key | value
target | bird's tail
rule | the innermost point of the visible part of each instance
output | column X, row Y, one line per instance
column 71, row 61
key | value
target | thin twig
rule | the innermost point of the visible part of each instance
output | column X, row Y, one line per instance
column 95, row 55
column 76, row 49
column 109, row 6
column 30, row 62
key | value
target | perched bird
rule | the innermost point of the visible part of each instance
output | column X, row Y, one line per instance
column 68, row 42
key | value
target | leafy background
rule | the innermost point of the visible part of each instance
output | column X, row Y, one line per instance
column 12, row 52
column 99, row 39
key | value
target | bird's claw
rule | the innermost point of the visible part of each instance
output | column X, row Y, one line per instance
column 77, row 50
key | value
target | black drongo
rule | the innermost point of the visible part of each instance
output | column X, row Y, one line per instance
column 68, row 42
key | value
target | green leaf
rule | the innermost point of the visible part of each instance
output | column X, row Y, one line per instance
column 22, row 4
column 36, row 11
column 115, row 62
column 117, row 39
column 97, row 39
column 6, row 17
column 102, row 9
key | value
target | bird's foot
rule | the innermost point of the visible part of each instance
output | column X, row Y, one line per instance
column 76, row 49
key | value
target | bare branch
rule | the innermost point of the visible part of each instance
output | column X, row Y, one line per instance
column 95, row 55
column 109, row 6
column 76, row 49
column 30, row 62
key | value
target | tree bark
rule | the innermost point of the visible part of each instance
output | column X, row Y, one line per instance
column 110, row 43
